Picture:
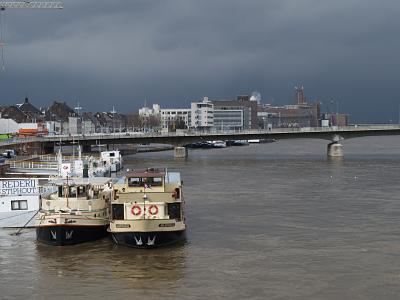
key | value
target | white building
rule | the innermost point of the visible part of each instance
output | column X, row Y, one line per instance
column 175, row 117
column 202, row 114
column 8, row 126
column 74, row 125
column 53, row 127
column 199, row 116
column 147, row 112
column 228, row 119
column 88, row 127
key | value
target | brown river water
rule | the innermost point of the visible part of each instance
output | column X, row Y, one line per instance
column 267, row 221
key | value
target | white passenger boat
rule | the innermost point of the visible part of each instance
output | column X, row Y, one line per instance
column 254, row 141
column 19, row 202
column 112, row 160
column 60, row 166
column 218, row 144
column 77, row 212
column 148, row 210
column 19, row 197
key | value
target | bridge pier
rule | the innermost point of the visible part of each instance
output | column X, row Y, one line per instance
column 335, row 149
column 86, row 148
column 48, row 148
column 180, row 152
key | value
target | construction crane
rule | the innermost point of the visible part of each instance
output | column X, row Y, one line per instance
column 28, row 4
column 21, row 4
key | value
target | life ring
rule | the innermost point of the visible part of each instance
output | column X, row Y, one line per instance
column 153, row 209
column 136, row 210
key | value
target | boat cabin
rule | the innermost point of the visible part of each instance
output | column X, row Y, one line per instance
column 150, row 194
column 77, row 194
column 149, row 180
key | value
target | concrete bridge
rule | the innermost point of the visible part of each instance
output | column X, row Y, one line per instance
column 333, row 134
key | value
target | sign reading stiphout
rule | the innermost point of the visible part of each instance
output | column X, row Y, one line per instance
column 19, row 187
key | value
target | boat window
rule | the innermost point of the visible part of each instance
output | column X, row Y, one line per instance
column 134, row 182
column 19, row 205
column 118, row 211
column 149, row 181
column 72, row 191
column 112, row 154
column 174, row 211
column 154, row 181
column 81, row 191
column 63, row 191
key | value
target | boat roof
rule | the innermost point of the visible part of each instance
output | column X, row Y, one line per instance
column 82, row 181
column 170, row 177
column 149, row 172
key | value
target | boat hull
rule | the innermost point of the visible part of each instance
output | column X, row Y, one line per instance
column 148, row 239
column 17, row 219
column 69, row 235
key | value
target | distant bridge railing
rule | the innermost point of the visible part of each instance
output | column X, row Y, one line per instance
column 213, row 134
column 189, row 132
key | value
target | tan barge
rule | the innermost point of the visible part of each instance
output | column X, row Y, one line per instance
column 148, row 209
column 76, row 211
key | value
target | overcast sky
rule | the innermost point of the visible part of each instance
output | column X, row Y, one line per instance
column 105, row 53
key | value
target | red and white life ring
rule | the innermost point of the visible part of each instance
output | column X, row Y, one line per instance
column 136, row 210
column 153, row 209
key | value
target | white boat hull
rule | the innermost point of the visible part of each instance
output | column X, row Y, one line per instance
column 17, row 219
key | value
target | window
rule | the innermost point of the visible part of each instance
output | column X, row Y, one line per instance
column 149, row 181
column 157, row 181
column 81, row 191
column 134, row 182
column 72, row 191
column 19, row 205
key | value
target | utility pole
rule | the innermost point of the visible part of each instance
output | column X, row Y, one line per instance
column 78, row 108
column 337, row 113
column 399, row 112
column 113, row 112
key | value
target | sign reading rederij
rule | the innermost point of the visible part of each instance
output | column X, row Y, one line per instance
column 19, row 187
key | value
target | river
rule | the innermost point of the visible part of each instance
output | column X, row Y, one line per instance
column 267, row 221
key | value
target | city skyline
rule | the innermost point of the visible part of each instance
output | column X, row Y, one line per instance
column 173, row 52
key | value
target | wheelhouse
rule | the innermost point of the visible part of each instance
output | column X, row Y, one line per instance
column 146, row 179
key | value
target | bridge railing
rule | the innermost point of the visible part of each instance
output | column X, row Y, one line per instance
column 214, row 133
column 15, row 140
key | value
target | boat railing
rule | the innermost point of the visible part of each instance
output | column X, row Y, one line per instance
column 46, row 191
column 65, row 158
column 33, row 165
column 70, row 211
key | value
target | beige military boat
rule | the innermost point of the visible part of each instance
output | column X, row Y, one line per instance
column 148, row 209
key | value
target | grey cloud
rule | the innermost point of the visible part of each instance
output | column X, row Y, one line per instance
column 172, row 52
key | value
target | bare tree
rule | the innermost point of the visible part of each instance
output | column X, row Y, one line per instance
column 134, row 120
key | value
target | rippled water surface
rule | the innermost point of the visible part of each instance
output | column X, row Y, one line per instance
column 270, row 221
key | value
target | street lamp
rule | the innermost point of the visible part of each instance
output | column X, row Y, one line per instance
column 113, row 116
column 337, row 113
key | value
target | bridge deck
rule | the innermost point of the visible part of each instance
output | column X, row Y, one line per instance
column 186, row 137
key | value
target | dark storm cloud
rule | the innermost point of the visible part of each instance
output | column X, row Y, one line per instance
column 104, row 53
